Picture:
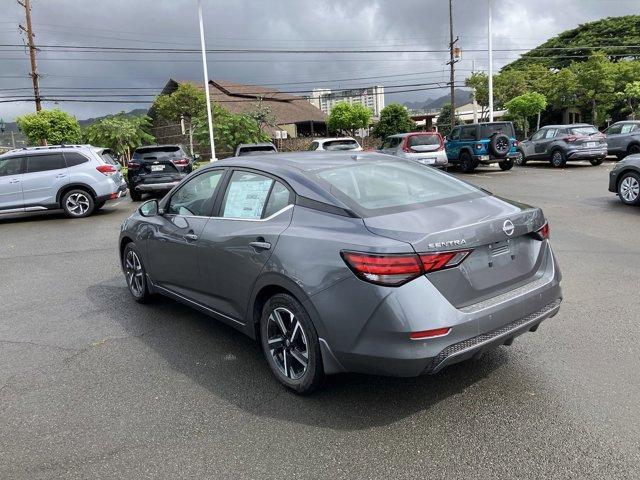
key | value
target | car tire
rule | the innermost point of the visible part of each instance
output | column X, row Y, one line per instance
column 633, row 149
column 596, row 161
column 78, row 203
column 558, row 158
column 499, row 145
column 288, row 340
column 520, row 159
column 506, row 165
column 135, row 196
column 467, row 163
column 629, row 188
column 135, row 274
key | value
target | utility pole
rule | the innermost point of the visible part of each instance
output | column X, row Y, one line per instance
column 32, row 53
column 206, row 82
column 475, row 100
column 452, row 61
column 490, row 46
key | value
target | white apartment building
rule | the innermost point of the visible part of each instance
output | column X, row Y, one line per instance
column 372, row 97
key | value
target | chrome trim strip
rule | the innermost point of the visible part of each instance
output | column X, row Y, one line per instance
column 282, row 210
column 507, row 296
column 215, row 312
column 12, row 210
column 156, row 186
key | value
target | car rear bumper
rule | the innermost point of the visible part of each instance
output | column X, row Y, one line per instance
column 587, row 154
column 120, row 191
column 374, row 337
column 155, row 187
column 436, row 158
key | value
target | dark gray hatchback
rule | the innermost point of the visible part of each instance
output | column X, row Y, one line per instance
column 342, row 262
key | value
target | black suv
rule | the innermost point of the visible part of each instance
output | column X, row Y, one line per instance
column 559, row 144
column 157, row 169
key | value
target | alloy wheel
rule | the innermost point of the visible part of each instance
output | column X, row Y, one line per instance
column 134, row 273
column 629, row 189
column 287, row 342
column 78, row 204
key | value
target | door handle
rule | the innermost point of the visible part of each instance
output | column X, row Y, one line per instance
column 14, row 180
column 191, row 236
column 260, row 245
column 61, row 175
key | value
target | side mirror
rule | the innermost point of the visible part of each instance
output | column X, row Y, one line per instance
column 149, row 209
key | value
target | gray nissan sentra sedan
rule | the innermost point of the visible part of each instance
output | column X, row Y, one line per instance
column 346, row 262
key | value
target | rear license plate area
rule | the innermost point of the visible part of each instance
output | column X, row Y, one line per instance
column 157, row 168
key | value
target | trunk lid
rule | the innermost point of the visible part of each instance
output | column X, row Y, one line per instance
column 499, row 261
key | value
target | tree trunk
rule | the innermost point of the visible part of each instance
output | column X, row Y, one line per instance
column 594, row 113
column 538, row 122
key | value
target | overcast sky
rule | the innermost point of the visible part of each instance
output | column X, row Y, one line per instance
column 289, row 24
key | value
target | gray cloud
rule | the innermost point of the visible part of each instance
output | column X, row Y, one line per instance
column 410, row 24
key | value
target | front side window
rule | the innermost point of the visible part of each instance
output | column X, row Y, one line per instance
column 468, row 133
column 195, row 198
column 10, row 166
column 551, row 133
column 42, row 163
column 246, row 196
column 614, row 129
column 385, row 187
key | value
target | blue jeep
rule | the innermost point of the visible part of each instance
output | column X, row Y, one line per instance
column 482, row 143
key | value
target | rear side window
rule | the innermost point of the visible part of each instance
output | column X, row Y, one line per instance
column 278, row 199
column 246, row 196
column 387, row 187
column 41, row 163
column 587, row 130
column 551, row 133
column 333, row 145
column 10, row 166
column 628, row 128
column 257, row 150
column 415, row 140
column 486, row 130
column 108, row 157
column 468, row 133
column 73, row 159
column 455, row 134
column 313, row 146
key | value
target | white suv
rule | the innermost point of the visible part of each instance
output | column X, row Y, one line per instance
column 76, row 178
column 335, row 144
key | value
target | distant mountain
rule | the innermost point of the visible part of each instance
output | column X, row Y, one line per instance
column 132, row 113
column 462, row 97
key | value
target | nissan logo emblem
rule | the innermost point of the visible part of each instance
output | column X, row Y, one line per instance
column 508, row 227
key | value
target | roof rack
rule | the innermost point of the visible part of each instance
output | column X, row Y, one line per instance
column 52, row 147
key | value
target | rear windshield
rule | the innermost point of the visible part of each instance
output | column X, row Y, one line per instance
column 380, row 188
column 415, row 140
column 588, row 130
column 107, row 156
column 340, row 145
column 486, row 130
column 257, row 150
column 157, row 153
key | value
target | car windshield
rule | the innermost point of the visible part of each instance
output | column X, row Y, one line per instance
column 158, row 153
column 585, row 130
column 256, row 150
column 488, row 129
column 379, row 188
column 340, row 145
column 415, row 140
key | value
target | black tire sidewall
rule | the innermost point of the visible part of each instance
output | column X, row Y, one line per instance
column 314, row 375
column 91, row 208
column 522, row 161
column 597, row 161
column 633, row 149
column 506, row 165
column 563, row 161
column 493, row 145
column 466, row 162
column 637, row 177
column 145, row 295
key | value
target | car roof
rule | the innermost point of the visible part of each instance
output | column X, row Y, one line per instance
column 297, row 168
column 260, row 144
column 172, row 145
column 402, row 135
column 331, row 139
column 484, row 123
column 46, row 148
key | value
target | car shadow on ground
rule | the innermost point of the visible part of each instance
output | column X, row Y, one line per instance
column 231, row 366
column 44, row 215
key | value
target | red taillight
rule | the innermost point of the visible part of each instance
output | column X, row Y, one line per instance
column 383, row 269
column 478, row 146
column 570, row 139
column 106, row 169
column 432, row 262
column 397, row 269
column 133, row 165
column 436, row 332
column 516, row 143
column 545, row 231
column 181, row 161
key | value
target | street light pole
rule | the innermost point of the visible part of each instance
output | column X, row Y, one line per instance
column 490, row 45
column 206, row 82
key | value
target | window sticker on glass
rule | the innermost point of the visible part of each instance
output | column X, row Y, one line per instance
column 246, row 196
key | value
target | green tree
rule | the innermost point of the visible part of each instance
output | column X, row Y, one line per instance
column 263, row 115
column 120, row 132
column 631, row 97
column 509, row 84
column 479, row 83
column 563, row 89
column 524, row 106
column 187, row 100
column 229, row 130
column 444, row 120
column 595, row 86
column 347, row 117
column 394, row 118
column 50, row 126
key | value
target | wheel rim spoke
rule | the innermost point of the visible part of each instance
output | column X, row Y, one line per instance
column 287, row 343
column 134, row 273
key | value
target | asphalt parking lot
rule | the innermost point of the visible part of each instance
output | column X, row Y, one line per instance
column 93, row 385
